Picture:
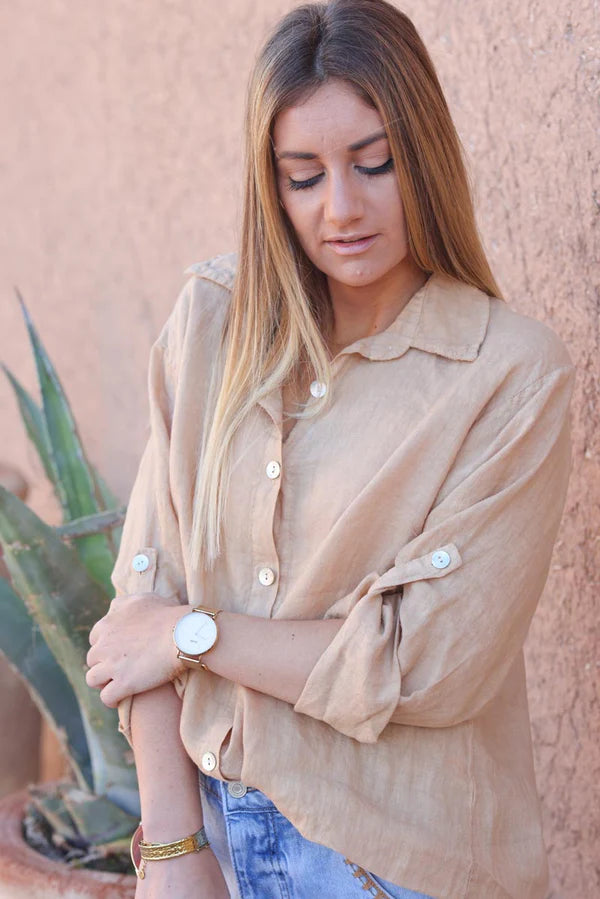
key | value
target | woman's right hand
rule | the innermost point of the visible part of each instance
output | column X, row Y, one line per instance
column 195, row 875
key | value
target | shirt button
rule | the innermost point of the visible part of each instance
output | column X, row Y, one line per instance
column 209, row 761
column 237, row 789
column 317, row 388
column 266, row 576
column 273, row 469
column 440, row 559
column 140, row 562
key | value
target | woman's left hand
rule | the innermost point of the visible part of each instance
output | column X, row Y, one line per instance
column 132, row 648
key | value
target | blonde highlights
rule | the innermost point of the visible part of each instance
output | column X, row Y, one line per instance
column 279, row 315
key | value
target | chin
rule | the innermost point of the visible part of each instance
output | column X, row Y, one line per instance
column 358, row 274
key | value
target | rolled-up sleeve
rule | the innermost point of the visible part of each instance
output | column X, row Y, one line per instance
column 429, row 641
column 150, row 557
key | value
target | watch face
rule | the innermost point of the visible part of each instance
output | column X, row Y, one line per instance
column 195, row 633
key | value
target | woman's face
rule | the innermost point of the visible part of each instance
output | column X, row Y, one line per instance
column 336, row 179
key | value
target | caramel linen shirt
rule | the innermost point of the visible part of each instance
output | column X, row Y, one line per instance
column 421, row 506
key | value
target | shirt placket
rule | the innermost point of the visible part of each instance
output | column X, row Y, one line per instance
column 265, row 559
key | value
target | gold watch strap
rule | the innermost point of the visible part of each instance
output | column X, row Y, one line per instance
column 212, row 612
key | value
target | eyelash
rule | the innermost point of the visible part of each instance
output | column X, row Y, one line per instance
column 310, row 182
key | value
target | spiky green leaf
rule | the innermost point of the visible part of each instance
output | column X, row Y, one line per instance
column 28, row 655
column 97, row 818
column 92, row 524
column 53, row 810
column 65, row 603
column 72, row 475
column 35, row 423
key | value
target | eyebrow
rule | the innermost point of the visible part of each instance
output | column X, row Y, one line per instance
column 358, row 145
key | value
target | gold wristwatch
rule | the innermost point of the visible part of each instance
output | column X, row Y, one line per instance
column 196, row 633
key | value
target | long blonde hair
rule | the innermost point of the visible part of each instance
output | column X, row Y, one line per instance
column 280, row 311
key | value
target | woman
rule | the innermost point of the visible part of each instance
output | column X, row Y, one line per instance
column 357, row 466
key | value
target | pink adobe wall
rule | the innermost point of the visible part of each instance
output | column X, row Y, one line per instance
column 119, row 166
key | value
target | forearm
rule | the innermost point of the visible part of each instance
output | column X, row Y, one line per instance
column 167, row 777
column 271, row 655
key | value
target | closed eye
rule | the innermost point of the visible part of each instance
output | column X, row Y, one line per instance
column 364, row 170
column 378, row 170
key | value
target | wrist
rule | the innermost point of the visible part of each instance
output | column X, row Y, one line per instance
column 143, row 850
column 167, row 830
column 193, row 640
column 170, row 815
column 179, row 665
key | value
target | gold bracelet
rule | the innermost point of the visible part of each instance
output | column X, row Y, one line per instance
column 142, row 851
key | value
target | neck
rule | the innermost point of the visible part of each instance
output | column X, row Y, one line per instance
column 366, row 310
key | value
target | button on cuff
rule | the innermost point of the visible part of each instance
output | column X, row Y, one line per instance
column 440, row 558
column 140, row 562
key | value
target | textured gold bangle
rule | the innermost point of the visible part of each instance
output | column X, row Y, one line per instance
column 142, row 850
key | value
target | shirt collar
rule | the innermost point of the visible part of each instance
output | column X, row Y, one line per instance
column 444, row 316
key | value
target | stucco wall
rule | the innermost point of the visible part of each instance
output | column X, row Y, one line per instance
column 119, row 166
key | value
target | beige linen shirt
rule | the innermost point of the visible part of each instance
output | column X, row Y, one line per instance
column 421, row 506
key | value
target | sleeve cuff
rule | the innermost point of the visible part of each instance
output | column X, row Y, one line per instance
column 124, row 710
column 180, row 682
column 355, row 683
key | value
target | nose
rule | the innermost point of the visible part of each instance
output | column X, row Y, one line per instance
column 343, row 201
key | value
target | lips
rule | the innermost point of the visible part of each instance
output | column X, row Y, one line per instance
column 348, row 246
column 348, row 238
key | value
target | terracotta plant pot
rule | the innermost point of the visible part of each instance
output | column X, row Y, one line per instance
column 27, row 874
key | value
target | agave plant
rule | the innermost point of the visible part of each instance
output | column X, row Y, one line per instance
column 59, row 587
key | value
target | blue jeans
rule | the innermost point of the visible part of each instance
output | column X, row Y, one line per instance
column 263, row 856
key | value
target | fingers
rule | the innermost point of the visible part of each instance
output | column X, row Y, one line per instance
column 89, row 659
column 95, row 631
column 111, row 695
column 97, row 677
column 110, row 692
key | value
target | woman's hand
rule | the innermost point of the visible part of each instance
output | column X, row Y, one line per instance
column 196, row 875
column 132, row 648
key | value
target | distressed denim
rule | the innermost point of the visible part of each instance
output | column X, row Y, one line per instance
column 263, row 856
